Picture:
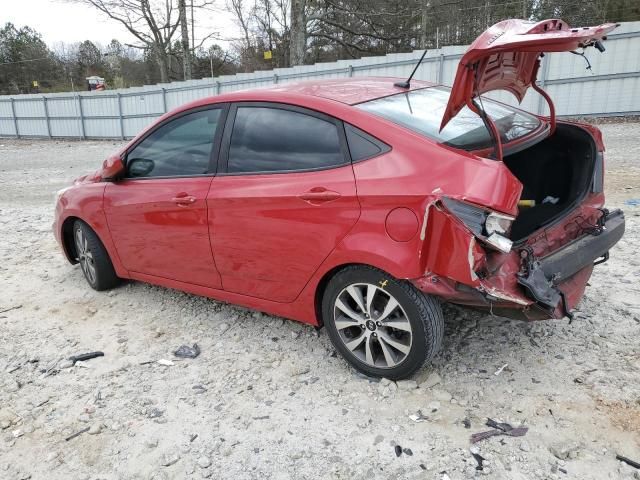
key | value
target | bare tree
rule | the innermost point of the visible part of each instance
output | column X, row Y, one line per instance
column 298, row 34
column 152, row 22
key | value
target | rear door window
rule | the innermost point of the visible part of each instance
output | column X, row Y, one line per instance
column 271, row 139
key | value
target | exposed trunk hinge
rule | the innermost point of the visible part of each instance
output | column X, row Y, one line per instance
column 476, row 107
column 545, row 95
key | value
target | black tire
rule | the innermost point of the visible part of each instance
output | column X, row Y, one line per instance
column 422, row 312
column 94, row 260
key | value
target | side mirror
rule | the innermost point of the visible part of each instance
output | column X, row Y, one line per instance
column 140, row 167
column 111, row 168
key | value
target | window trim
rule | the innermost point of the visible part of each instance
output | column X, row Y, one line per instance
column 223, row 159
column 214, row 156
column 384, row 147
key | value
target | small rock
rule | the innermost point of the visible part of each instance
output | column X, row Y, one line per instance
column 432, row 380
column 442, row 395
column 204, row 462
column 95, row 429
column 154, row 413
column 169, row 459
column 7, row 418
column 524, row 446
column 378, row 439
column 165, row 363
column 65, row 364
column 564, row 451
column 407, row 385
column 12, row 386
column 151, row 443
column 297, row 370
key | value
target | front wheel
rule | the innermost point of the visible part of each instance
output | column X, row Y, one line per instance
column 93, row 258
column 382, row 326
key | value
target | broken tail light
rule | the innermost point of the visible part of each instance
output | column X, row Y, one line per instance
column 489, row 227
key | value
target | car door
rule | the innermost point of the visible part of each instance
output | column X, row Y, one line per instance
column 157, row 214
column 285, row 197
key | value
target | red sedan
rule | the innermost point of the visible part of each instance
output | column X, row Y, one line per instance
column 359, row 204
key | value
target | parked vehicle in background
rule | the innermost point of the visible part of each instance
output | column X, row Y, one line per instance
column 96, row 83
column 358, row 204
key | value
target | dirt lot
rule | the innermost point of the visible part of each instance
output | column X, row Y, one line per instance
column 268, row 398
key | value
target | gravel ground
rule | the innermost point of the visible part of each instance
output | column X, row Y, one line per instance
column 269, row 398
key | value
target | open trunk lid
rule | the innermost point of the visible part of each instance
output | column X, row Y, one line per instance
column 507, row 57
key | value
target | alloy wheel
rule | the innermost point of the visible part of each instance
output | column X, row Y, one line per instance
column 372, row 325
column 85, row 256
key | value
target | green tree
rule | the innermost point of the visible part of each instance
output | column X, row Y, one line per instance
column 25, row 58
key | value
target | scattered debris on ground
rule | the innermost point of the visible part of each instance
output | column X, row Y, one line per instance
column 498, row 429
column 269, row 398
column 84, row 357
column 186, row 351
column 628, row 461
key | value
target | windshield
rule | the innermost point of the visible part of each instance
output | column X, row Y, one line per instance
column 422, row 110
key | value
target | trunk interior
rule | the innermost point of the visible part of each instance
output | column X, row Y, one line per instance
column 556, row 173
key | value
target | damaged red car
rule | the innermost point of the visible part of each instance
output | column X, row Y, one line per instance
column 360, row 204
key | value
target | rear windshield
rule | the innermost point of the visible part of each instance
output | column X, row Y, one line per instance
column 422, row 111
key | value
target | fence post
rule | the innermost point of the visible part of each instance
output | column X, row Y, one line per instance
column 15, row 119
column 275, row 78
column 119, row 95
column 351, row 70
column 164, row 99
column 82, row 131
column 440, row 69
column 218, row 87
column 46, row 114
column 543, row 79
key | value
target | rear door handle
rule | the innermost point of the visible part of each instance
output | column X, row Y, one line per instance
column 183, row 199
column 319, row 195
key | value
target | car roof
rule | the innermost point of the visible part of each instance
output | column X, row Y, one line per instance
column 348, row 90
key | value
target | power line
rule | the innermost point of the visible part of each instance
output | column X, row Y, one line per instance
column 25, row 61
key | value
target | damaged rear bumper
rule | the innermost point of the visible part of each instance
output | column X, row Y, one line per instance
column 585, row 250
column 518, row 284
column 544, row 277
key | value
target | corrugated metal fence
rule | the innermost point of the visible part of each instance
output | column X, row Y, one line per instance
column 611, row 87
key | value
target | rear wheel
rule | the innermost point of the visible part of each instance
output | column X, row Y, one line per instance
column 93, row 258
column 384, row 327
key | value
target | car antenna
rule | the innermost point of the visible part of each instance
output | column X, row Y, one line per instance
column 407, row 82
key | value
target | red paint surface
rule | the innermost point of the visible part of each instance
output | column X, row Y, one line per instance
column 402, row 224
column 156, row 234
column 268, row 241
column 261, row 241
column 506, row 55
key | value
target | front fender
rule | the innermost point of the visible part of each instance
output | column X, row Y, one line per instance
column 85, row 202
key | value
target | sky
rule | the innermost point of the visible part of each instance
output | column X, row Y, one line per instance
column 62, row 21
